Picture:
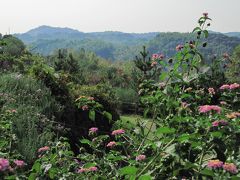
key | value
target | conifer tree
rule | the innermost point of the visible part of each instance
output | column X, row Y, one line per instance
column 144, row 64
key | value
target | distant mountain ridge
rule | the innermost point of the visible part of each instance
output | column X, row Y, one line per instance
column 48, row 32
column 116, row 45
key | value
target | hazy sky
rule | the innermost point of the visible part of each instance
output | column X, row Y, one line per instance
column 118, row 15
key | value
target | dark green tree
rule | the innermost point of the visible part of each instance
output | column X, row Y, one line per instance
column 144, row 64
column 66, row 62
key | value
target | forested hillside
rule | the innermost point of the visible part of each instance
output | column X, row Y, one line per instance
column 110, row 45
column 217, row 44
column 117, row 45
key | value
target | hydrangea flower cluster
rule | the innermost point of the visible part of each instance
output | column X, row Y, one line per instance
column 179, row 47
column 154, row 63
column 207, row 108
column 229, row 167
column 230, row 86
column 93, row 130
column 211, row 91
column 157, row 56
column 140, row 157
column 43, row 149
column 111, row 144
column 219, row 123
column 4, row 164
column 215, row 164
column 91, row 169
column 117, row 132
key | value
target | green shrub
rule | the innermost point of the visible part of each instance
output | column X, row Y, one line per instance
column 35, row 108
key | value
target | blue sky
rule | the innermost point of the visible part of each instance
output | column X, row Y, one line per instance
column 118, row 15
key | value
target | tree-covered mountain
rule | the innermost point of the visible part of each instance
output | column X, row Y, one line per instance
column 233, row 34
column 216, row 43
column 115, row 45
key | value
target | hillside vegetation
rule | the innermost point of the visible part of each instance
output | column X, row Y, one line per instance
column 117, row 45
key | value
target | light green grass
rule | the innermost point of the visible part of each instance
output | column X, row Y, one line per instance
column 131, row 121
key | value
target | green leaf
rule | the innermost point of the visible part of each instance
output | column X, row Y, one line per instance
column 92, row 115
column 52, row 173
column 128, row 170
column 146, row 111
column 235, row 177
column 145, row 177
column 36, row 166
column 184, row 138
column 196, row 29
column 165, row 130
column 32, row 176
column 205, row 33
column 216, row 134
column 85, row 141
column 207, row 172
column 163, row 76
column 88, row 165
column 108, row 115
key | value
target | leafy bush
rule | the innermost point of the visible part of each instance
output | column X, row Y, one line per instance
column 34, row 107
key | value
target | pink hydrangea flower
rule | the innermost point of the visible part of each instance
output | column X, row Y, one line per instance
column 215, row 124
column 234, row 86
column 230, row 167
column 119, row 131
column 111, row 144
column 155, row 56
column 219, row 123
column 85, row 107
column 216, row 108
column 82, row 170
column 225, row 86
column 207, row 108
column 205, row 14
column 140, row 157
column 4, row 164
column 19, row 163
column 93, row 168
column 179, row 47
column 93, row 130
column 154, row 63
column 42, row 149
column 211, row 91
column 215, row 164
